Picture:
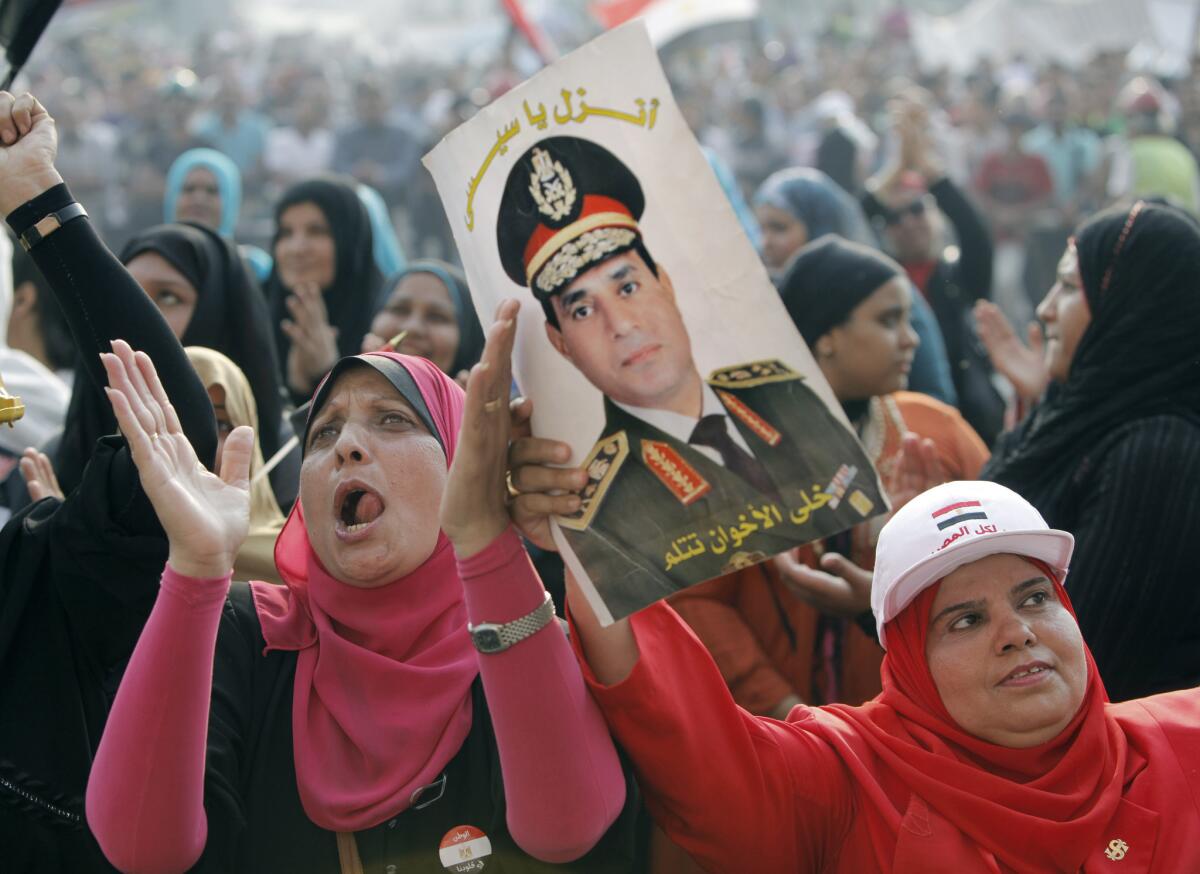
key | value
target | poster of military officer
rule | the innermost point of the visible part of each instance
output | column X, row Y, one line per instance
column 650, row 337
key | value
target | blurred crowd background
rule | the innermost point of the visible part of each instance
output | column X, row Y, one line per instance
column 1039, row 122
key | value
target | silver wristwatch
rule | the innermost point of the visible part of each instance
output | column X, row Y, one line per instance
column 491, row 637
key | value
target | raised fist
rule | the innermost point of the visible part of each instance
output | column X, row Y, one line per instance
column 28, row 147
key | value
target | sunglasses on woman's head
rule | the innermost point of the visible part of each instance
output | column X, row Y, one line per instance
column 916, row 208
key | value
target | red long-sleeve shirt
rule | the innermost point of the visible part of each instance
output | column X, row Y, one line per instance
column 746, row 793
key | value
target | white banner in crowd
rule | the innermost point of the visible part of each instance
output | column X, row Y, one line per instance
column 1071, row 32
column 650, row 337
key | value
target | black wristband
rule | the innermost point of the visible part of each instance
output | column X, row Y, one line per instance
column 50, row 223
column 50, row 200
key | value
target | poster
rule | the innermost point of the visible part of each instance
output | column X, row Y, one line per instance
column 650, row 337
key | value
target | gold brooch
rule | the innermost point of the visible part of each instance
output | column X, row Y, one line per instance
column 1117, row 849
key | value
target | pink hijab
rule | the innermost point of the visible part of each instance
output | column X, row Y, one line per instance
column 382, row 697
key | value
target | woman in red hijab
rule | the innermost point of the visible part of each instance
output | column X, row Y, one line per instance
column 992, row 747
column 340, row 719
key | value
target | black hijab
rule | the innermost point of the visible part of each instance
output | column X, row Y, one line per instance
column 230, row 317
column 352, row 299
column 470, row 332
column 1139, row 356
column 827, row 279
column 824, row 283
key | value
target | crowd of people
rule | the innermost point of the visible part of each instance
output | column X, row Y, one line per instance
column 270, row 496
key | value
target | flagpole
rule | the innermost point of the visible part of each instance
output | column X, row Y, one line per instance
column 25, row 21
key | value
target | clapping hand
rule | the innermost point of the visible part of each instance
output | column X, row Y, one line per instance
column 205, row 516
column 918, row 469
column 839, row 587
column 314, row 348
column 39, row 475
column 1022, row 365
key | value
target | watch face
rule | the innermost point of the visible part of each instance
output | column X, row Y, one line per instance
column 487, row 639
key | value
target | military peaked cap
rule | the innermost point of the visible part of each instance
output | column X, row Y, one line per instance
column 568, row 204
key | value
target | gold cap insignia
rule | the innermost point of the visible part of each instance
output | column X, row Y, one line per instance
column 551, row 186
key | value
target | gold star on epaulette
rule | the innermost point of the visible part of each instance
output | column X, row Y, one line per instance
column 601, row 465
column 752, row 374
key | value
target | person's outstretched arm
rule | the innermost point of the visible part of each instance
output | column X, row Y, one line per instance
column 974, row 238
column 563, row 783
column 99, row 298
column 715, row 778
column 145, row 795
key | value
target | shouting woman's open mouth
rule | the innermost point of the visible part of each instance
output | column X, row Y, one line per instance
column 356, row 509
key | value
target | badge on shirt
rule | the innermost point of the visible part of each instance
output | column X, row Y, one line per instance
column 464, row 848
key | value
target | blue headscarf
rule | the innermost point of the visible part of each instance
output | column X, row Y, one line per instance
column 388, row 254
column 810, row 196
column 229, row 184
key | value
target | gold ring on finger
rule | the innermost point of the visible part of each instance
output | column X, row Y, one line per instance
column 492, row 405
column 513, row 491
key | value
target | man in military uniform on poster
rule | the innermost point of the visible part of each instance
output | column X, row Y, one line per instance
column 691, row 477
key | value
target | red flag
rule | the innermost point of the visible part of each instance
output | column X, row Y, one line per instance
column 610, row 13
column 529, row 29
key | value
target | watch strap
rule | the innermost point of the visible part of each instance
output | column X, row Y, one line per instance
column 50, row 223
column 492, row 638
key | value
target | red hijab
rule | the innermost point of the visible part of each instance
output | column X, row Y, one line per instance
column 382, row 695
column 1026, row 810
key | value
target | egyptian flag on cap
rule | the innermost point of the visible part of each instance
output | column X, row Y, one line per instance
column 957, row 513
column 568, row 204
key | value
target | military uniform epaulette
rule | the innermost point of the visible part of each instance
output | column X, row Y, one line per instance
column 753, row 374
column 601, row 465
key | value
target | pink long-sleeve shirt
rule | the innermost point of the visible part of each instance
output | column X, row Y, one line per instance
column 562, row 779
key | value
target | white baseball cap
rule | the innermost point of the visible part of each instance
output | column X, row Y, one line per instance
column 949, row 526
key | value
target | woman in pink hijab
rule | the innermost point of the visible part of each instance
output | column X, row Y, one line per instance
column 349, row 718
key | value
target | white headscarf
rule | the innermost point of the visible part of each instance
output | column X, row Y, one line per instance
column 45, row 395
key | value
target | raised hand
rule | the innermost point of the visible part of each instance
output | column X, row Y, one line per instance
column 314, row 348
column 205, row 516
column 1024, row 366
column 917, row 470
column 840, row 587
column 473, row 508
column 28, row 147
column 39, row 475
